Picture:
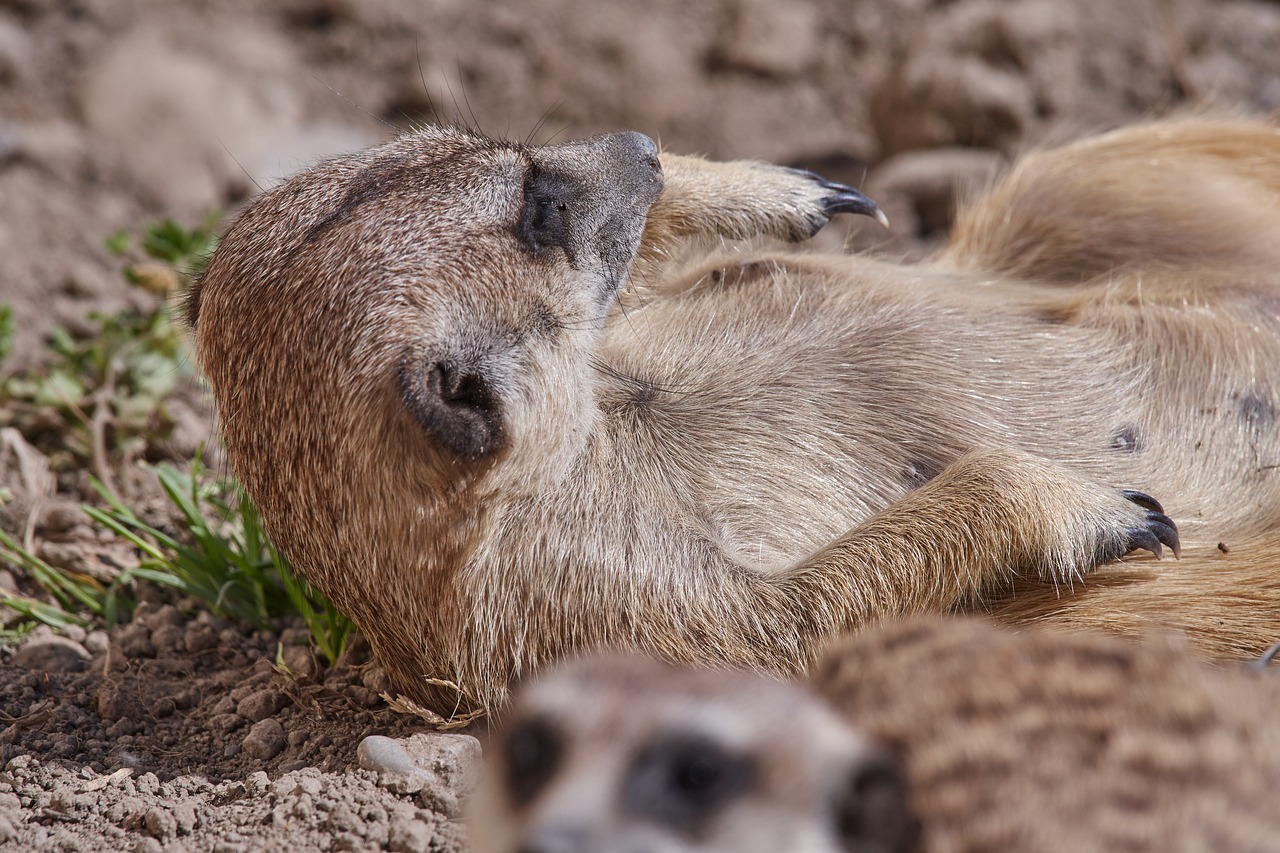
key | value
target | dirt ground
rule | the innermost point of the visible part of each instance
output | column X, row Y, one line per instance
column 175, row 731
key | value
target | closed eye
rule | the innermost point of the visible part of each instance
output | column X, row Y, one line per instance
column 546, row 217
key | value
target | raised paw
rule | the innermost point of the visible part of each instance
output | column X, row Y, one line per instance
column 1156, row 528
column 741, row 200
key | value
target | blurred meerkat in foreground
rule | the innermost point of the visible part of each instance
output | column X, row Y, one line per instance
column 1009, row 741
column 456, row 429
column 631, row 755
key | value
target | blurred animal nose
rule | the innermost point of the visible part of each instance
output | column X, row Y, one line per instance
column 557, row 840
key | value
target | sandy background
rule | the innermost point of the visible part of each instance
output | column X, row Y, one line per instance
column 113, row 112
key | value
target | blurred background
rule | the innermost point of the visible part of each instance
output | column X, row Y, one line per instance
column 116, row 112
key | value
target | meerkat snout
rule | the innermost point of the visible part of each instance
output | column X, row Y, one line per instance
column 588, row 199
column 614, row 754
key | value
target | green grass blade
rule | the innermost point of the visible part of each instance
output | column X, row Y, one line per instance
column 54, row 617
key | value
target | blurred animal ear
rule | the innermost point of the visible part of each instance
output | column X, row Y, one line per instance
column 456, row 404
column 872, row 810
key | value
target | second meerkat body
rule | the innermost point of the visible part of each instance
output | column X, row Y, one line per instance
column 949, row 735
column 453, row 429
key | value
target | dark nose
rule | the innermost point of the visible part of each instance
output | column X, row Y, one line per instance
column 617, row 164
column 633, row 161
column 639, row 147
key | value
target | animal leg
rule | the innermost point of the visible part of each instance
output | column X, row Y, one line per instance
column 991, row 516
column 1163, row 196
column 745, row 199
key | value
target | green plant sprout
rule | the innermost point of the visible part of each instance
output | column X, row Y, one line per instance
column 99, row 401
column 228, row 562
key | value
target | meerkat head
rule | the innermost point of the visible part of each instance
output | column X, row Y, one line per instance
column 625, row 754
column 457, row 271
column 405, row 318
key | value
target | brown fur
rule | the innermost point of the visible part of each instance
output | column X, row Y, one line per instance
column 455, row 433
column 1056, row 741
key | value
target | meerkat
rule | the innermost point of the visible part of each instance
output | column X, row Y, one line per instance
column 1056, row 739
column 628, row 754
column 947, row 735
column 487, row 404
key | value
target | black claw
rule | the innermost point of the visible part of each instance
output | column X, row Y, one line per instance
column 1157, row 530
column 1267, row 657
column 1141, row 537
column 1165, row 530
column 846, row 199
column 1143, row 500
column 849, row 200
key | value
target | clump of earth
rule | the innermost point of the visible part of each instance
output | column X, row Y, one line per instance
column 180, row 731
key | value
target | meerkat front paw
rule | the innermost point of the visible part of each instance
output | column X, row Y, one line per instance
column 795, row 204
column 744, row 199
column 1058, row 524
column 833, row 198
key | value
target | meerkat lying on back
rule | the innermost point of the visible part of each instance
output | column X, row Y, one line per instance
column 453, row 428
column 1035, row 740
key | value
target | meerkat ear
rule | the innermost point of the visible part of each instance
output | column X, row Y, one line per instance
column 455, row 404
column 872, row 811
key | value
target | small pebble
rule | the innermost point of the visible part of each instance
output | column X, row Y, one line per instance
column 52, row 653
column 75, row 633
column 166, row 615
column 258, row 782
column 261, row 704
column 300, row 661
column 168, row 638
column 201, row 637
column 97, row 642
column 134, row 641
column 265, row 740
column 185, row 815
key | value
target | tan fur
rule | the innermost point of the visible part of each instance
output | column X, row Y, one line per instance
column 754, row 450
column 1056, row 741
column 1009, row 740
column 625, row 754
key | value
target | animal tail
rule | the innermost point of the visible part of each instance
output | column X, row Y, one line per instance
column 1224, row 599
column 1189, row 192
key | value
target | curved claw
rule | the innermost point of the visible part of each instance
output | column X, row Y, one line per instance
column 849, row 200
column 846, row 199
column 1158, row 530
column 1142, row 499
column 1141, row 538
column 1165, row 531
